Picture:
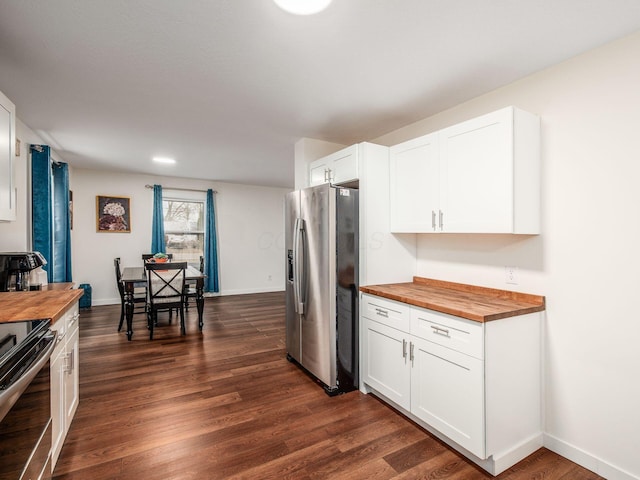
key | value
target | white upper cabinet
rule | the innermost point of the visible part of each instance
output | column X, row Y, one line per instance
column 414, row 185
column 338, row 168
column 480, row 176
column 7, row 152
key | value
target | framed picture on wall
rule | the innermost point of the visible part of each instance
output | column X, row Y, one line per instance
column 113, row 214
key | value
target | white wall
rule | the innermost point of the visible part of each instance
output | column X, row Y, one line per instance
column 586, row 260
column 250, row 223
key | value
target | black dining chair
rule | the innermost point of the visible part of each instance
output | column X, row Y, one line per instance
column 165, row 285
column 190, row 286
column 139, row 295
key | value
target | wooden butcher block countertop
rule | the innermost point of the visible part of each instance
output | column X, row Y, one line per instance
column 49, row 303
column 467, row 301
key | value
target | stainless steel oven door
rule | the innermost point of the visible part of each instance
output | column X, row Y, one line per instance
column 25, row 408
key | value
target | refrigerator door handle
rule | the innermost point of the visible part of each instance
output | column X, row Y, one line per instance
column 298, row 266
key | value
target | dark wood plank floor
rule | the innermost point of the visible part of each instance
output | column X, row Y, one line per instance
column 227, row 404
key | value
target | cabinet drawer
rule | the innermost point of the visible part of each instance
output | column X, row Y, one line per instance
column 60, row 325
column 460, row 334
column 387, row 312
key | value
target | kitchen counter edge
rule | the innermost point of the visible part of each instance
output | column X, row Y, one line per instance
column 37, row 305
column 480, row 304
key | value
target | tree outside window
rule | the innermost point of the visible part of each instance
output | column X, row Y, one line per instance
column 184, row 229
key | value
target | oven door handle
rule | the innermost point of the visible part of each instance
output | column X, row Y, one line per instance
column 10, row 396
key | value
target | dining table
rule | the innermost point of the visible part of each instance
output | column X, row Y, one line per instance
column 134, row 276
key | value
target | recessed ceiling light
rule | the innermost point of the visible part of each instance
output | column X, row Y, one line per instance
column 303, row 7
column 165, row 160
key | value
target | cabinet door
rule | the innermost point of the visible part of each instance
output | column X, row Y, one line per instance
column 447, row 393
column 385, row 362
column 57, row 401
column 7, row 145
column 72, row 378
column 344, row 165
column 414, row 185
column 476, row 174
column 318, row 173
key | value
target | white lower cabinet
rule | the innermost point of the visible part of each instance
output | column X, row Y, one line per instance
column 441, row 387
column 475, row 385
column 65, row 381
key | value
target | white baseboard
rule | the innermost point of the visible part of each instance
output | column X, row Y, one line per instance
column 586, row 460
column 105, row 301
column 518, row 452
column 251, row 290
column 116, row 301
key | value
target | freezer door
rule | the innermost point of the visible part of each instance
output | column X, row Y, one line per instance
column 292, row 213
column 318, row 326
column 347, row 249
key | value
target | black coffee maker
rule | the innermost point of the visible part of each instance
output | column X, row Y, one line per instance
column 15, row 268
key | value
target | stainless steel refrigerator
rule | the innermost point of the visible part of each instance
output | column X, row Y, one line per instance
column 321, row 225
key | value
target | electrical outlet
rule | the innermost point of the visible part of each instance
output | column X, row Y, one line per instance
column 511, row 275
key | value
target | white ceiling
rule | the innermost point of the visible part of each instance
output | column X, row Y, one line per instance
column 227, row 86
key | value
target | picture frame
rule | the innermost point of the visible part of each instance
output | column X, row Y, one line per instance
column 113, row 214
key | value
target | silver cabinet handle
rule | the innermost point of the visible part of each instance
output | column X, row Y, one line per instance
column 440, row 217
column 404, row 349
column 382, row 313
column 411, row 357
column 72, row 361
column 440, row 331
column 68, row 368
column 433, row 220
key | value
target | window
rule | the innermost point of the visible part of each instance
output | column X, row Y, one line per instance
column 184, row 229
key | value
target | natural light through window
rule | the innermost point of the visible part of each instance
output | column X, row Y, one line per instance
column 184, row 229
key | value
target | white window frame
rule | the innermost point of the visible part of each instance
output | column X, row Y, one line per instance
column 189, row 197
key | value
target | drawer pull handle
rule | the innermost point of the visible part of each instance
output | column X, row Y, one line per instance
column 382, row 313
column 440, row 331
column 404, row 349
column 411, row 357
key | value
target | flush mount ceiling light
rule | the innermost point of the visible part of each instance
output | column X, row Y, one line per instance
column 165, row 160
column 303, row 7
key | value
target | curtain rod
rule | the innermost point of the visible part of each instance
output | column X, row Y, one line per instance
column 183, row 189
